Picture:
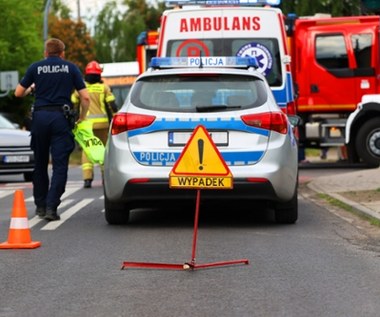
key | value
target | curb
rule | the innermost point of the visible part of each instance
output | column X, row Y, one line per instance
column 355, row 205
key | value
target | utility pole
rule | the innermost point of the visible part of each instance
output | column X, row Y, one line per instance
column 78, row 9
column 46, row 16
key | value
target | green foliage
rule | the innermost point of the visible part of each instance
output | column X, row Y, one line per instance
column 21, row 43
column 78, row 42
column 311, row 7
column 116, row 31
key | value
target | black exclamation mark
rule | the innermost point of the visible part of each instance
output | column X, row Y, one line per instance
column 200, row 152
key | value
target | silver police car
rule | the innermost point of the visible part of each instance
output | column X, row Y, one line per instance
column 234, row 104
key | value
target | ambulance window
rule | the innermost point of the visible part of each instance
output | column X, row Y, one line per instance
column 362, row 46
column 331, row 51
column 179, row 48
column 266, row 50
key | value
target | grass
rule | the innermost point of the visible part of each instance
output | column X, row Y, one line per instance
column 312, row 152
column 342, row 205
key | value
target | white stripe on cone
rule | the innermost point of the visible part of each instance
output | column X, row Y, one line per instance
column 19, row 223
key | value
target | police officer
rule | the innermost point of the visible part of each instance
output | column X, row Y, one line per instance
column 102, row 107
column 53, row 80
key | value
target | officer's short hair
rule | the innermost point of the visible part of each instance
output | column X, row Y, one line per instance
column 54, row 47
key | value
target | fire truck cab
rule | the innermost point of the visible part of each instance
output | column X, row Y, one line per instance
column 336, row 67
column 146, row 48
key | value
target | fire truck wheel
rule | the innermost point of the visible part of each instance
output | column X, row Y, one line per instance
column 115, row 213
column 367, row 142
column 287, row 213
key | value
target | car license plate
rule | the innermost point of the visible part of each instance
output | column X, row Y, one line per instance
column 181, row 138
column 16, row 159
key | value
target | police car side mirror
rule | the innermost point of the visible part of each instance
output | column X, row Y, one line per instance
column 294, row 120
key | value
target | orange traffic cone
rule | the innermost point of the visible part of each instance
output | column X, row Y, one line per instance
column 19, row 233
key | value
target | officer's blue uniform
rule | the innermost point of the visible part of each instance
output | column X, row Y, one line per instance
column 54, row 79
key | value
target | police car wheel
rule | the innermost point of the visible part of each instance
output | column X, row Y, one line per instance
column 116, row 213
column 287, row 213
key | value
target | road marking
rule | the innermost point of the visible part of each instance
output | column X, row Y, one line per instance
column 4, row 194
column 36, row 220
column 67, row 193
column 67, row 214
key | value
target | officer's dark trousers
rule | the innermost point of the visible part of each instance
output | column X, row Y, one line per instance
column 51, row 134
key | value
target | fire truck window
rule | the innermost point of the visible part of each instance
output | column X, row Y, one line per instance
column 362, row 46
column 331, row 51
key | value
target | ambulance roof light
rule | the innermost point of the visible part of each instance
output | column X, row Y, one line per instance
column 204, row 62
column 171, row 3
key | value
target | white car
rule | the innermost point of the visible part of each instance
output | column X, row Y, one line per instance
column 16, row 156
column 234, row 103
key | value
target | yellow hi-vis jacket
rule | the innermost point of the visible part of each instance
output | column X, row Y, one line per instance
column 100, row 96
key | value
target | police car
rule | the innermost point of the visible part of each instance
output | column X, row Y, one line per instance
column 234, row 104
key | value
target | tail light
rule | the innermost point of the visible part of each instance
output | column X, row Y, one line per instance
column 273, row 121
column 291, row 108
column 122, row 122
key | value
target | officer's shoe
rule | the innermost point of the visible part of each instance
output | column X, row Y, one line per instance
column 41, row 212
column 51, row 214
column 87, row 183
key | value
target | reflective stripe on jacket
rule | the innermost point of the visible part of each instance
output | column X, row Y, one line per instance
column 100, row 94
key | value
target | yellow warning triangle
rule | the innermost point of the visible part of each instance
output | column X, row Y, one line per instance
column 200, row 157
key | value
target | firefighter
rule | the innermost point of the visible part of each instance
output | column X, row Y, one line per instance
column 102, row 107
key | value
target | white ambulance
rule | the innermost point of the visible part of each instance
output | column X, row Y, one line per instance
column 232, row 30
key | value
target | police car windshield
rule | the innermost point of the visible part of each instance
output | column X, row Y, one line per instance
column 192, row 93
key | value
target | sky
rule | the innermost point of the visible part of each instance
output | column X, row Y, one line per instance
column 88, row 8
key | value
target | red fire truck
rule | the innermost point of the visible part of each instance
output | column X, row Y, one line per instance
column 146, row 48
column 336, row 71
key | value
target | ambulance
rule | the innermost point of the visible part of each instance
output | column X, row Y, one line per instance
column 232, row 28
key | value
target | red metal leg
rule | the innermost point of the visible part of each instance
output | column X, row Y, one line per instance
column 185, row 266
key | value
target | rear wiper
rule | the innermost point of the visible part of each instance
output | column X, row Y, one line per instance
column 215, row 108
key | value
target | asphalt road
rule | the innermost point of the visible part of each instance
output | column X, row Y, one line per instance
column 322, row 266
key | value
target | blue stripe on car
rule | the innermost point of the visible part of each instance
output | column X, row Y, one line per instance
column 163, row 124
column 169, row 158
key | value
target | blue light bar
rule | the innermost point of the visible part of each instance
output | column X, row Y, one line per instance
column 223, row 2
column 203, row 62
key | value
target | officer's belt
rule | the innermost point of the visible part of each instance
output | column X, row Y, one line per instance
column 49, row 108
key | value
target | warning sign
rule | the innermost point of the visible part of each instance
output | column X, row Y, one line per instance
column 200, row 164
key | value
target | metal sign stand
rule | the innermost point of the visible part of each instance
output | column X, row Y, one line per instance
column 199, row 148
column 187, row 265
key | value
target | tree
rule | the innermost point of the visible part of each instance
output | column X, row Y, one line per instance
column 21, row 43
column 116, row 32
column 79, row 44
column 311, row 7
